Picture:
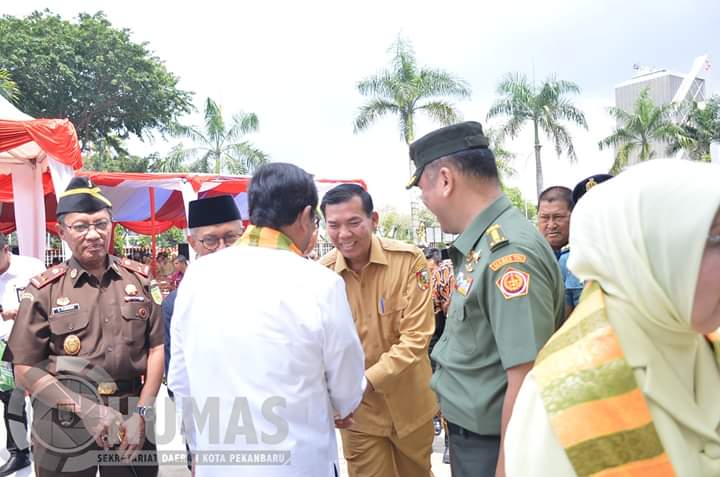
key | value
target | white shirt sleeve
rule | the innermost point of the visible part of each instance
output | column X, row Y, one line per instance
column 177, row 372
column 530, row 442
column 343, row 356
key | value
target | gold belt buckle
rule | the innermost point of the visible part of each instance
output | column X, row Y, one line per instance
column 107, row 389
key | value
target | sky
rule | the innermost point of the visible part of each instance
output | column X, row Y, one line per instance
column 296, row 65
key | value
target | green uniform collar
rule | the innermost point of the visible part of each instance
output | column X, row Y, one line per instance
column 470, row 236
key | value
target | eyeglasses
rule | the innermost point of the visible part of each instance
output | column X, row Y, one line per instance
column 81, row 228
column 212, row 242
column 714, row 240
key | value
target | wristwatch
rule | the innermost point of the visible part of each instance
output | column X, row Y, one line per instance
column 147, row 412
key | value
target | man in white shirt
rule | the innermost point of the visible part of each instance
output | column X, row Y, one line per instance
column 15, row 273
column 265, row 354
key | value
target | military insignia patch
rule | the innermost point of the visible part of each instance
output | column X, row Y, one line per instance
column 495, row 237
column 71, row 345
column 73, row 273
column 470, row 260
column 423, row 279
column 27, row 296
column 62, row 301
column 131, row 289
column 513, row 283
column 463, row 283
column 155, row 292
column 507, row 259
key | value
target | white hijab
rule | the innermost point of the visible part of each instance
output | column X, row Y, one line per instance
column 641, row 236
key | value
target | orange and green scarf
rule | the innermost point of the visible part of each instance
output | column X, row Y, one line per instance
column 267, row 238
column 595, row 407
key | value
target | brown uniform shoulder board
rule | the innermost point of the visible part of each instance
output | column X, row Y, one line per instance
column 495, row 237
column 136, row 267
column 48, row 276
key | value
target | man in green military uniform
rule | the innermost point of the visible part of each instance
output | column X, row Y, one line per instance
column 508, row 297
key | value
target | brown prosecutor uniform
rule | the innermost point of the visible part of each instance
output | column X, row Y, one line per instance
column 69, row 323
column 392, row 309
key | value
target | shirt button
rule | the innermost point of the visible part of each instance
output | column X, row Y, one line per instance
column 109, row 349
column 71, row 326
column 107, row 320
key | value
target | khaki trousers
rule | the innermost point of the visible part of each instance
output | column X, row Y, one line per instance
column 389, row 456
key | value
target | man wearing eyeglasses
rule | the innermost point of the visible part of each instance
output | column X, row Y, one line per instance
column 214, row 223
column 87, row 344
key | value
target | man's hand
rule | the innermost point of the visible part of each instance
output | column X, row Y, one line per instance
column 103, row 423
column 8, row 315
column 133, row 437
column 345, row 422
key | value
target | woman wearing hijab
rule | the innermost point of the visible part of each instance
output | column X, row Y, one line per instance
column 630, row 385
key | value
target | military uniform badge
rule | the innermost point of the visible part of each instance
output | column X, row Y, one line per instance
column 155, row 292
column 71, row 345
column 423, row 279
column 463, row 283
column 470, row 260
column 513, row 283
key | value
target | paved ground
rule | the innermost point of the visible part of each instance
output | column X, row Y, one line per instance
column 176, row 444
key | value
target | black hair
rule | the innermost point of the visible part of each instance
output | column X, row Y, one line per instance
column 557, row 193
column 278, row 193
column 432, row 253
column 478, row 162
column 345, row 192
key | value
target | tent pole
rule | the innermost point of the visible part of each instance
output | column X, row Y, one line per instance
column 153, row 247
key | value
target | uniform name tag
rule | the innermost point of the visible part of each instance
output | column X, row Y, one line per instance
column 66, row 308
column 134, row 298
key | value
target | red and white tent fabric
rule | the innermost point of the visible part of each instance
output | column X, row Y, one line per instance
column 36, row 156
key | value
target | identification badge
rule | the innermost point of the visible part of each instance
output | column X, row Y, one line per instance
column 463, row 283
column 134, row 299
column 64, row 309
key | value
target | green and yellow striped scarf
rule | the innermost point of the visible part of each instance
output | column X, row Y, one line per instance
column 589, row 391
column 267, row 238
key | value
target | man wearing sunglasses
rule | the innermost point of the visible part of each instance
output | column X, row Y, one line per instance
column 87, row 344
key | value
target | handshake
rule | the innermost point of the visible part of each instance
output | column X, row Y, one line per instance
column 345, row 422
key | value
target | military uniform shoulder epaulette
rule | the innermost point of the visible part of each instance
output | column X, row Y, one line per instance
column 495, row 237
column 398, row 246
column 136, row 267
column 48, row 276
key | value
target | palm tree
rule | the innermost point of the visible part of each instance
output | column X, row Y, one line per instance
column 545, row 107
column 8, row 87
column 217, row 146
column 406, row 89
column 647, row 122
column 503, row 156
column 700, row 128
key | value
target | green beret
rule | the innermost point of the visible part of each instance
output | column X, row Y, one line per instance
column 81, row 196
column 444, row 142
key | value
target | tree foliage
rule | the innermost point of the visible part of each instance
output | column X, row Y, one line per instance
column 8, row 88
column 700, row 128
column 218, row 147
column 92, row 73
column 406, row 89
column 647, row 122
column 546, row 107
